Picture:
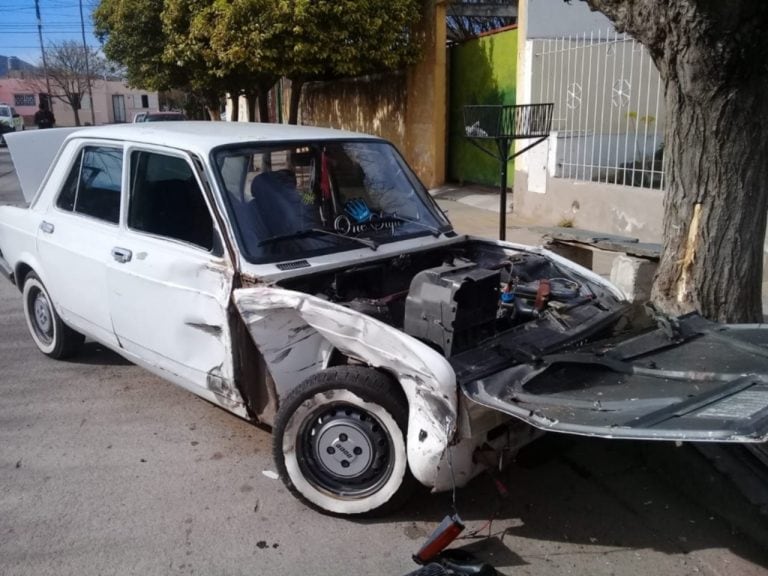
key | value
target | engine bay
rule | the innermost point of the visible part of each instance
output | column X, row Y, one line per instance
column 467, row 296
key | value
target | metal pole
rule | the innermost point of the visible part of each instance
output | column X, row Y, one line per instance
column 87, row 67
column 504, row 157
column 42, row 51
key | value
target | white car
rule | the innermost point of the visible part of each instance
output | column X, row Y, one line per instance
column 303, row 278
column 10, row 121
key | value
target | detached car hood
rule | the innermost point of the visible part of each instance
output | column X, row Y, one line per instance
column 689, row 380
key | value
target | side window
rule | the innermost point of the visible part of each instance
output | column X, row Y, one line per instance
column 94, row 183
column 167, row 201
column 66, row 200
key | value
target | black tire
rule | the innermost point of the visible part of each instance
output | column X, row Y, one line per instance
column 340, row 442
column 52, row 337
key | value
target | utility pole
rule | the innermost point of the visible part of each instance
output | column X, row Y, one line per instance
column 87, row 67
column 42, row 50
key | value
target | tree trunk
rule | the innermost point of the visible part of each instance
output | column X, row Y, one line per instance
column 235, row 113
column 264, row 106
column 293, row 110
column 715, row 205
column 76, row 112
column 710, row 56
column 252, row 99
column 213, row 106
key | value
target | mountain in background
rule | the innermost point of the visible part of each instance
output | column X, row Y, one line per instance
column 12, row 64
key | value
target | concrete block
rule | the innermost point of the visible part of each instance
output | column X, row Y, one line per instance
column 634, row 276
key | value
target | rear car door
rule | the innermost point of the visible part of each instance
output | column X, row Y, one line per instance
column 77, row 232
column 688, row 380
column 169, row 277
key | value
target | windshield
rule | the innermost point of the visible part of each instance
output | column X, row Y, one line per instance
column 298, row 200
column 5, row 111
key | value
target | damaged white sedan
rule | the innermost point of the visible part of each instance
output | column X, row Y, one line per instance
column 304, row 279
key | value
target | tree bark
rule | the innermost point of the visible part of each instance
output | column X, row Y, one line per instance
column 252, row 98
column 293, row 109
column 235, row 113
column 711, row 58
column 264, row 105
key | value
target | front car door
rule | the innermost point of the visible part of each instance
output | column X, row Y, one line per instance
column 170, row 279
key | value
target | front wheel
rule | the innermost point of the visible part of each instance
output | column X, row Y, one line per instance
column 339, row 442
column 52, row 336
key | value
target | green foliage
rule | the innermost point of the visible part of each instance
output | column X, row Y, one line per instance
column 241, row 45
column 132, row 35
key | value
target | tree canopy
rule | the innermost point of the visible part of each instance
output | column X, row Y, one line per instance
column 712, row 60
column 132, row 35
column 242, row 46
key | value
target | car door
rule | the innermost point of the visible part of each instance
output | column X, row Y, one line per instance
column 169, row 278
column 688, row 380
column 77, row 232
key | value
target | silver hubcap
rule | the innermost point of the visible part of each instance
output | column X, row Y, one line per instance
column 42, row 314
column 343, row 449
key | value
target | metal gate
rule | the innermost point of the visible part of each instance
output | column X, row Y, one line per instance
column 609, row 109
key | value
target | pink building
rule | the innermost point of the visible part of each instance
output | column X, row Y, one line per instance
column 17, row 93
column 113, row 102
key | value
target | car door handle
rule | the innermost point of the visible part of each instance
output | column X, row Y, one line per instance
column 47, row 227
column 121, row 255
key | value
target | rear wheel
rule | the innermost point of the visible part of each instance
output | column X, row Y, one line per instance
column 52, row 337
column 339, row 442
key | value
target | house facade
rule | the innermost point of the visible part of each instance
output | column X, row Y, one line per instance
column 113, row 101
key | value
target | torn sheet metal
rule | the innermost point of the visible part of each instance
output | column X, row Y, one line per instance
column 292, row 328
column 702, row 382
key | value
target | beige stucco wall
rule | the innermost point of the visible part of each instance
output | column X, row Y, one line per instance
column 623, row 210
column 407, row 108
column 373, row 104
column 102, row 104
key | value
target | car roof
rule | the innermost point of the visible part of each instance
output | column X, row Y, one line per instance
column 201, row 137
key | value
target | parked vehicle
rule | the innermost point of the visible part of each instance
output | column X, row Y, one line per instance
column 304, row 278
column 10, row 121
column 159, row 117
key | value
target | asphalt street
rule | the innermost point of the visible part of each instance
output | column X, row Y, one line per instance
column 106, row 469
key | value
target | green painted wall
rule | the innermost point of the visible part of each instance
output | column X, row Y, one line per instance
column 483, row 71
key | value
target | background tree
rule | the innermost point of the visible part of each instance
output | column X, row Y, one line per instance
column 132, row 35
column 244, row 38
column 187, row 26
column 328, row 39
column 244, row 46
column 67, row 73
column 712, row 58
column 460, row 26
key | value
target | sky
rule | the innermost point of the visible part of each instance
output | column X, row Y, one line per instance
column 60, row 19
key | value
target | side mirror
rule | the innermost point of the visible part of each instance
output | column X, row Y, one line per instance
column 16, row 114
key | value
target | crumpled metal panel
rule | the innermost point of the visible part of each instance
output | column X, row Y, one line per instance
column 296, row 333
column 693, row 381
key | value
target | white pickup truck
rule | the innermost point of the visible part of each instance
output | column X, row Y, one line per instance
column 303, row 278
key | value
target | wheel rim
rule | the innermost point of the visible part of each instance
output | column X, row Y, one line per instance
column 42, row 317
column 345, row 450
